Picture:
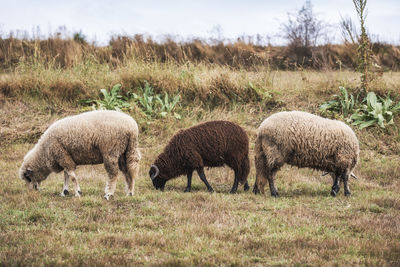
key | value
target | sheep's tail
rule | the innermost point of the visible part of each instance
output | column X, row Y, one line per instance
column 245, row 169
column 260, row 160
column 132, row 154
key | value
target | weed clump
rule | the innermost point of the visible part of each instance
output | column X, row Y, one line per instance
column 151, row 104
column 370, row 111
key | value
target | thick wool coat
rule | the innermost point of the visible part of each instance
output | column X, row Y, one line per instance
column 209, row 144
column 305, row 140
column 95, row 137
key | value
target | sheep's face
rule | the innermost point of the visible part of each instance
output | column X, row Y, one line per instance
column 157, row 178
column 159, row 183
column 31, row 178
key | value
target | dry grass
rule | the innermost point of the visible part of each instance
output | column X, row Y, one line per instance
column 61, row 51
column 211, row 85
column 305, row 226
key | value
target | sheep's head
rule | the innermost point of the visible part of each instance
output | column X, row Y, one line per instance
column 32, row 178
column 157, row 177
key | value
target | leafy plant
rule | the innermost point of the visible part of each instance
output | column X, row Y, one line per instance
column 343, row 103
column 112, row 100
column 264, row 95
column 167, row 106
column 145, row 99
column 378, row 111
column 371, row 111
column 156, row 105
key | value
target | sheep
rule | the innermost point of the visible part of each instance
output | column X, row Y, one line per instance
column 94, row 137
column 304, row 140
column 211, row 144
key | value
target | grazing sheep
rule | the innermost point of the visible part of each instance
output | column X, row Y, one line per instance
column 94, row 137
column 304, row 140
column 211, row 144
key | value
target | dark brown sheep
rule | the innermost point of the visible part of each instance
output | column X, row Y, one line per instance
column 209, row 144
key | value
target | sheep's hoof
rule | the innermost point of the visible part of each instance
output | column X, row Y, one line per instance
column 108, row 196
column 232, row 192
column 64, row 193
column 333, row 193
column 130, row 194
column 347, row 194
column 187, row 190
column 246, row 187
column 256, row 191
column 210, row 190
column 78, row 193
column 274, row 194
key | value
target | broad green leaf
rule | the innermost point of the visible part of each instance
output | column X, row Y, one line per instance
column 381, row 120
column 117, row 87
column 104, row 92
column 367, row 124
column 371, row 100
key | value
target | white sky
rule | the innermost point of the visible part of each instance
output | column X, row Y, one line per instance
column 100, row 19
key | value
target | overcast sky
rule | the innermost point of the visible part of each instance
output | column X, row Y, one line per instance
column 100, row 19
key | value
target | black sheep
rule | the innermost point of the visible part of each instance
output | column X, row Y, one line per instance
column 209, row 144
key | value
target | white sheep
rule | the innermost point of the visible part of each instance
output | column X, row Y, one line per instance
column 304, row 140
column 94, row 137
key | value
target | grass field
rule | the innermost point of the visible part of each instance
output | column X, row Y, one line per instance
column 305, row 226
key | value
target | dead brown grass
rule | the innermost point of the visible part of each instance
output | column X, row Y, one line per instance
column 57, row 51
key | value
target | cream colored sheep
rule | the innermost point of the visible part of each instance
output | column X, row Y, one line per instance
column 304, row 140
column 94, row 137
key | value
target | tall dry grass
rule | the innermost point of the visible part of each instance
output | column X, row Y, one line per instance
column 210, row 85
column 66, row 53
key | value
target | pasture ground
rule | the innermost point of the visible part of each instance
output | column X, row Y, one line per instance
column 304, row 226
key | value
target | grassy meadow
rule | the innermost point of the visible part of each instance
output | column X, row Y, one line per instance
column 304, row 226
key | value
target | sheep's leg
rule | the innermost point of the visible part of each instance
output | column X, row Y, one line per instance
column 200, row 171
column 67, row 163
column 74, row 179
column 345, row 178
column 246, row 186
column 336, row 185
column 271, row 177
column 65, row 191
column 130, row 177
column 235, row 183
column 189, row 181
column 110, row 187
column 261, row 172
column 112, row 170
column 245, row 169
